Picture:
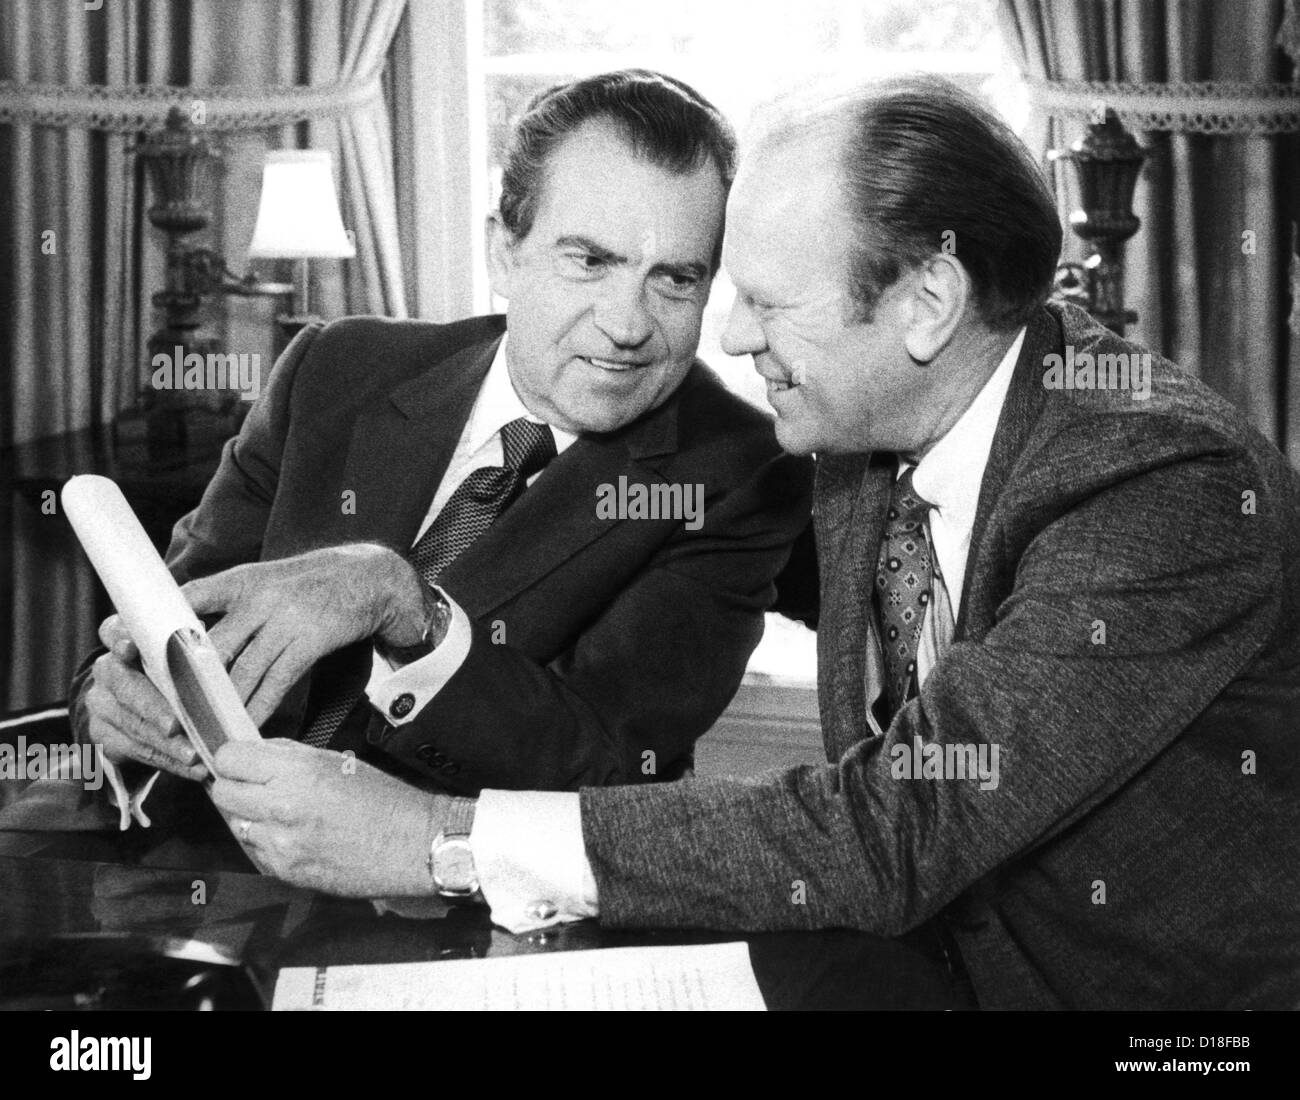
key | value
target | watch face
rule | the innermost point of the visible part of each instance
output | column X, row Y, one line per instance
column 453, row 866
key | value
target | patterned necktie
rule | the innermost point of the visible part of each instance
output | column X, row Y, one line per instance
column 904, row 586
column 471, row 510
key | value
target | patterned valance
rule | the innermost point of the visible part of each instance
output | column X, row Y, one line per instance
column 144, row 107
column 1212, row 107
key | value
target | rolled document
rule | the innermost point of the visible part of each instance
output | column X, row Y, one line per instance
column 174, row 648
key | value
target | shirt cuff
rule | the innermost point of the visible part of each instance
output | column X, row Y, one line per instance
column 422, row 679
column 130, row 807
column 531, row 862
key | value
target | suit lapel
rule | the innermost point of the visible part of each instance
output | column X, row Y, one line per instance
column 400, row 448
column 1020, row 412
column 851, row 505
column 556, row 517
column 554, row 520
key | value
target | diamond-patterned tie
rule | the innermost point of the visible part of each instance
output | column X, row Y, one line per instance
column 904, row 586
column 471, row 510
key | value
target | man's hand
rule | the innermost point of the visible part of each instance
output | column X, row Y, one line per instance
column 326, row 821
column 279, row 618
column 128, row 716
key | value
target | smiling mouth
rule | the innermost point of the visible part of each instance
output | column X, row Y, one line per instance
column 614, row 366
column 780, row 385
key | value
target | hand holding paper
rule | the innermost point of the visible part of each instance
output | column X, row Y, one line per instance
column 128, row 716
column 280, row 617
column 328, row 821
column 179, row 661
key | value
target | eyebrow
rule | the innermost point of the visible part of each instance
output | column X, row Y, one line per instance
column 690, row 268
column 588, row 245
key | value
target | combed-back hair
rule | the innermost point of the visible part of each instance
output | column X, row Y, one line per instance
column 925, row 168
column 664, row 120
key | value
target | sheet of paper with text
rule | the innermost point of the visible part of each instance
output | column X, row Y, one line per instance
column 638, row 979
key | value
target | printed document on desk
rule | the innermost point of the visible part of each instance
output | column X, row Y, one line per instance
column 715, row 977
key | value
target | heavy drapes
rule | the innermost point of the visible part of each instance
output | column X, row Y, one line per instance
column 1208, row 272
column 78, row 260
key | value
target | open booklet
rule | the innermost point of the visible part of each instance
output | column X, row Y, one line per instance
column 175, row 651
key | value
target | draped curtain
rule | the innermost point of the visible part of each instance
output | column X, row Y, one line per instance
column 78, row 258
column 349, row 42
column 78, row 311
column 1209, row 271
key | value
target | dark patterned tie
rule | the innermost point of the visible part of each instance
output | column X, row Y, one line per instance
column 471, row 510
column 904, row 586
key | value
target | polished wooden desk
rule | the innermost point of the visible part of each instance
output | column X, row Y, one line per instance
column 65, row 869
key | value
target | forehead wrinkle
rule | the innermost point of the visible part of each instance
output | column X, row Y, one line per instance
column 583, row 178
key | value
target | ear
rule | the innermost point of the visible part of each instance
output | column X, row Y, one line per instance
column 940, row 295
column 500, row 244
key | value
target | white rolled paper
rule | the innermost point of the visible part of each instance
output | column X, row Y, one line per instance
column 142, row 590
column 174, row 647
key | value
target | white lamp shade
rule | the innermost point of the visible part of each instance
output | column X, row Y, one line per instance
column 298, row 218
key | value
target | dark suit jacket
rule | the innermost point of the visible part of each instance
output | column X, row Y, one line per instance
column 623, row 638
column 1142, row 848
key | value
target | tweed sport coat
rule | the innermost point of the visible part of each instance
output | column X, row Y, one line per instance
column 1129, row 637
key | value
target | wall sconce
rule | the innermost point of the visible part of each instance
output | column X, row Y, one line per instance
column 1107, row 160
column 179, row 164
column 298, row 219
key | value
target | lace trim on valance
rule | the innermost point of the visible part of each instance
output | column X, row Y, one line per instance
column 143, row 107
column 1211, row 107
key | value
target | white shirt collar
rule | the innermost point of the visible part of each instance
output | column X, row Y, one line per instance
column 950, row 474
column 498, row 404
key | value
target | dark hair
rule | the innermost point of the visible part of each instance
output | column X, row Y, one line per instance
column 928, row 168
column 664, row 120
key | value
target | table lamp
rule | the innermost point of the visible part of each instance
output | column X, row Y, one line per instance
column 298, row 219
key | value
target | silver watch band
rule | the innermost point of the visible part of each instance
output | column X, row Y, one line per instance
column 460, row 817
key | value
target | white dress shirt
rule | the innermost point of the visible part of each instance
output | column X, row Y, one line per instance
column 949, row 477
column 528, row 850
column 496, row 405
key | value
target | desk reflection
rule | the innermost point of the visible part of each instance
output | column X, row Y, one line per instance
column 66, row 869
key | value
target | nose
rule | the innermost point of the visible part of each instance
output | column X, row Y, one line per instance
column 743, row 334
column 621, row 313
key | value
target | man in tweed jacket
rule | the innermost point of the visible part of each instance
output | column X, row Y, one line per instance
column 1086, row 784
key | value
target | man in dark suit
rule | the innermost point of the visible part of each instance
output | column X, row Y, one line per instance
column 528, row 558
column 1059, row 645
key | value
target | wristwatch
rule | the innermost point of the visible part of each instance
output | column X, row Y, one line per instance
column 437, row 618
column 451, row 861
